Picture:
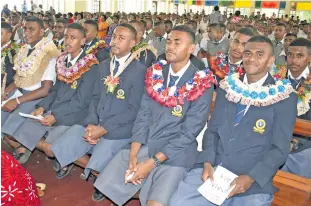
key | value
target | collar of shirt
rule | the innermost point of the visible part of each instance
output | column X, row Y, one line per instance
column 165, row 36
column 218, row 42
column 46, row 30
column 282, row 53
column 149, row 31
column 180, row 73
column 257, row 84
column 236, row 63
column 73, row 61
column 304, row 74
column 29, row 47
column 60, row 41
column 122, row 60
column 5, row 45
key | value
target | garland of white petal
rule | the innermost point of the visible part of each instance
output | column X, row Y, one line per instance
column 238, row 92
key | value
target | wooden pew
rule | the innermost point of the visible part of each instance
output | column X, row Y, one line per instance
column 294, row 190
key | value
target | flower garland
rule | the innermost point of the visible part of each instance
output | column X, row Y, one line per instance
column 111, row 82
column 222, row 68
column 304, row 96
column 7, row 51
column 279, row 72
column 69, row 75
column 143, row 46
column 172, row 96
column 98, row 45
column 26, row 64
column 303, row 91
column 238, row 92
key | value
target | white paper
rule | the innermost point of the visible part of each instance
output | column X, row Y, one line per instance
column 14, row 96
column 218, row 190
column 31, row 116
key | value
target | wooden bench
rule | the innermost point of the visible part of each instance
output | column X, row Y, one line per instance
column 294, row 190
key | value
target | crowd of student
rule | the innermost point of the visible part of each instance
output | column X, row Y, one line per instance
column 126, row 95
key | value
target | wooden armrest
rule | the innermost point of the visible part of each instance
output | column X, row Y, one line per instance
column 303, row 127
column 294, row 190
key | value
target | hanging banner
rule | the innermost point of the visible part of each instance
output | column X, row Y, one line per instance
column 270, row 4
column 257, row 4
column 211, row 3
column 282, row 4
column 303, row 6
column 225, row 3
column 242, row 4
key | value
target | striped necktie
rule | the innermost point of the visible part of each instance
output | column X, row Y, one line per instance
column 116, row 67
column 239, row 113
column 173, row 80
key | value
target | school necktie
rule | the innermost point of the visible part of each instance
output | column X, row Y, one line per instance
column 239, row 113
column 295, row 82
column 116, row 67
column 30, row 51
column 69, row 64
column 173, row 80
column 160, row 38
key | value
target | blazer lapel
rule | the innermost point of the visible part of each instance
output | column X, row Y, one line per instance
column 187, row 75
column 165, row 74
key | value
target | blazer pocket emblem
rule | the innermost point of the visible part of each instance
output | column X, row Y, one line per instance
column 120, row 94
column 177, row 111
column 74, row 84
column 260, row 126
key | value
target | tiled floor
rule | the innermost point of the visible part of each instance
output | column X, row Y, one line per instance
column 70, row 191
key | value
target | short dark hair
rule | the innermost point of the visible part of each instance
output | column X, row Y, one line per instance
column 131, row 28
column 291, row 34
column 7, row 27
column 281, row 24
column 104, row 16
column 302, row 42
column 70, row 14
column 169, row 22
column 262, row 39
column 139, row 23
column 219, row 26
column 187, row 30
column 158, row 23
column 93, row 23
column 35, row 19
column 247, row 31
column 216, row 8
column 116, row 16
column 77, row 26
column 144, row 22
column 62, row 21
column 296, row 26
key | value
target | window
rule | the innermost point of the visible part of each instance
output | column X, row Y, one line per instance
column 95, row 6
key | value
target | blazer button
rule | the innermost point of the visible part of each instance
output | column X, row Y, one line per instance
column 232, row 139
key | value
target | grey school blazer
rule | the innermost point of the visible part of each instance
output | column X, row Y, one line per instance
column 70, row 104
column 174, row 136
column 244, row 151
column 114, row 113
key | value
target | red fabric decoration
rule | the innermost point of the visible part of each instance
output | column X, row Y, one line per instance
column 17, row 185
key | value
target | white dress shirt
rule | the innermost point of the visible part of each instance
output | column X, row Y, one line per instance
column 73, row 61
column 304, row 74
column 179, row 74
column 121, row 60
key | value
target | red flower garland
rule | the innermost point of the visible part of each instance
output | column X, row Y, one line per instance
column 197, row 86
